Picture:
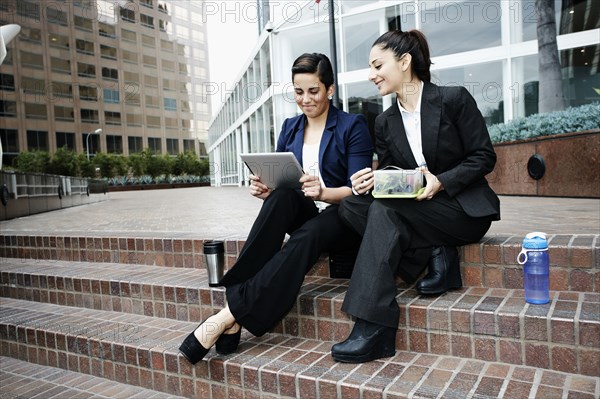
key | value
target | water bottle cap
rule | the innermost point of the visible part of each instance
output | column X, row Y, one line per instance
column 535, row 240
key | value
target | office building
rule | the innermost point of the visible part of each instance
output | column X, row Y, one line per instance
column 136, row 69
column 488, row 46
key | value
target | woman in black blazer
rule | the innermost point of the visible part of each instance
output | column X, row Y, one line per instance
column 441, row 131
column 262, row 286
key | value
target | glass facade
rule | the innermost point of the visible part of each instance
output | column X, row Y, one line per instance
column 489, row 47
column 124, row 66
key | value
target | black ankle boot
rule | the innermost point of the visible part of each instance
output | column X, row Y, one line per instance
column 367, row 341
column 444, row 272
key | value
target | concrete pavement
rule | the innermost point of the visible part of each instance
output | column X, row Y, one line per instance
column 228, row 213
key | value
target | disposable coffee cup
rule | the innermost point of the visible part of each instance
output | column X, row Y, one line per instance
column 214, row 252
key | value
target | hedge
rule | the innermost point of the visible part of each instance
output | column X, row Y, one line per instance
column 573, row 119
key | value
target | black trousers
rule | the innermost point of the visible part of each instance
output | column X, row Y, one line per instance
column 265, row 281
column 398, row 235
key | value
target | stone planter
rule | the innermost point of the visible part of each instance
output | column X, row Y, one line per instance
column 571, row 163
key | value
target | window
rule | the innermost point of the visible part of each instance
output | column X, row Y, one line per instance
column 114, row 144
column 83, row 23
column 183, row 33
column 131, row 77
column 60, row 89
column 10, row 145
column 112, row 118
column 55, row 16
column 128, row 35
column 172, row 146
column 134, row 120
column 151, row 81
column 7, row 82
column 89, row 115
column 169, row 84
column 127, row 14
column 107, row 30
column 32, row 60
column 170, row 104
column 29, row 10
column 83, row 3
column 148, row 41
column 8, row 108
column 86, row 70
column 31, row 34
column 110, row 73
column 129, row 56
column 149, row 61
column 151, row 101
column 185, row 105
column 111, row 96
column 363, row 98
column 60, row 65
column 33, row 86
column 134, row 143
column 64, row 139
column 84, row 47
column 171, row 123
column 37, row 140
column 147, row 21
column 162, row 25
column 108, row 52
column 63, row 114
column 484, row 82
column 188, row 146
column 154, row 144
column 132, row 99
column 88, row 93
column 183, row 50
column 186, row 87
column 166, row 45
column 60, row 41
column 35, row 111
column 183, row 68
column 146, row 3
column 474, row 25
column 168, row 65
column 162, row 7
column 153, row 121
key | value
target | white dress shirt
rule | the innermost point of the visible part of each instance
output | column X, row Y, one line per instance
column 412, row 126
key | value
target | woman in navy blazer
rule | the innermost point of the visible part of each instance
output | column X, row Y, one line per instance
column 262, row 286
column 441, row 131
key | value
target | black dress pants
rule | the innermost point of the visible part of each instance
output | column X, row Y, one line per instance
column 398, row 235
column 265, row 281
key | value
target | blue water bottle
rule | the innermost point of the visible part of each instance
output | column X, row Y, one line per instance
column 534, row 255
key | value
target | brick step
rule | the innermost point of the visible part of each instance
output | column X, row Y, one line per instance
column 480, row 323
column 21, row 379
column 575, row 259
column 142, row 351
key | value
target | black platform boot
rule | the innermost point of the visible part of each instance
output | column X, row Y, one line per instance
column 444, row 272
column 367, row 341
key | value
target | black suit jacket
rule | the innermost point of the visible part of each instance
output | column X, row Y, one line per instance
column 456, row 146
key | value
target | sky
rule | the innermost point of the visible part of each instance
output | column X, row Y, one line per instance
column 232, row 34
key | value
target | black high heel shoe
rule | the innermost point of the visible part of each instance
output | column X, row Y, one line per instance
column 228, row 343
column 192, row 349
column 443, row 274
column 367, row 341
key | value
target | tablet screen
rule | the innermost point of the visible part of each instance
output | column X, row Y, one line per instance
column 275, row 169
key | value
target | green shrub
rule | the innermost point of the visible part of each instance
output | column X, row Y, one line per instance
column 574, row 119
column 137, row 163
column 32, row 161
column 64, row 162
column 157, row 165
column 86, row 166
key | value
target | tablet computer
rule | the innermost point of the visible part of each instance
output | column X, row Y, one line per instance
column 275, row 169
